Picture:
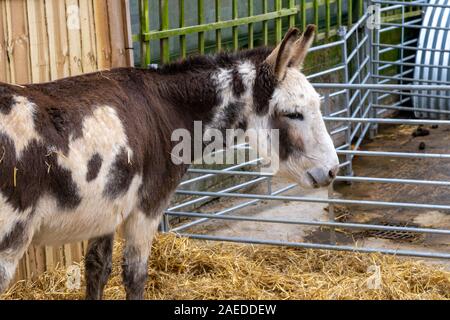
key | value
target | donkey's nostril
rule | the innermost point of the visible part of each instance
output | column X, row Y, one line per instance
column 331, row 174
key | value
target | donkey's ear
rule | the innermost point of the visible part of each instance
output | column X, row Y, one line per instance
column 302, row 45
column 280, row 56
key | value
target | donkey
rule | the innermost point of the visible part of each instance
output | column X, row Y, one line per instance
column 81, row 156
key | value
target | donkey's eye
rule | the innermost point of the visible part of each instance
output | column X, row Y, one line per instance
column 295, row 116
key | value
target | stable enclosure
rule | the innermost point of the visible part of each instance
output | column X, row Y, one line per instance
column 374, row 84
column 381, row 68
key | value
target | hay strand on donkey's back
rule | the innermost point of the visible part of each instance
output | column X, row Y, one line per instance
column 189, row 269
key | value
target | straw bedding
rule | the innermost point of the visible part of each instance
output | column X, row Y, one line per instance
column 188, row 269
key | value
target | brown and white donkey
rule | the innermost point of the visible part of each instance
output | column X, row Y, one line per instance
column 83, row 155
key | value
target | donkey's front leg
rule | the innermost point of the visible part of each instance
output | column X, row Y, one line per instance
column 98, row 264
column 139, row 230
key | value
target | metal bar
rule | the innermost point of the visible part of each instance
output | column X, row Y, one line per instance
column 291, row 18
column 358, row 71
column 318, row 200
column 265, row 25
column 218, row 7
column 278, row 22
column 395, row 154
column 144, row 28
column 233, row 188
column 338, row 178
column 201, row 20
column 412, row 109
column 181, row 25
column 339, row 130
column 232, row 172
column 393, row 46
column 389, row 121
column 334, row 94
column 250, row 25
column 412, row 79
column 394, row 180
column 344, row 225
column 303, row 14
column 327, row 18
column 405, row 93
column 390, row 64
column 356, row 26
column 413, row 3
column 397, row 252
column 316, row 13
column 326, row 46
column 164, row 42
column 334, row 114
column 348, row 133
column 252, row 162
column 339, row 13
column 235, row 30
column 328, row 71
column 379, row 86
column 413, row 26
column 412, row 64
column 359, row 124
column 350, row 12
column 356, row 49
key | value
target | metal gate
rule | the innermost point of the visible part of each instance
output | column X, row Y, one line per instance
column 376, row 75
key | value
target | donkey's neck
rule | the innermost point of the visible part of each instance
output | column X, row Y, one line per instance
column 218, row 97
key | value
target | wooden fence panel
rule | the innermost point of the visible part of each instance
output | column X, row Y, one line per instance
column 43, row 40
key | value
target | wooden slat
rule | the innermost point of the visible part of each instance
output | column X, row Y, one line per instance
column 128, row 33
column 67, row 252
column 49, row 259
column 58, row 48
column 4, row 64
column 88, row 41
column 74, row 36
column 18, row 41
column 116, row 29
column 30, row 258
column 102, row 35
column 76, row 251
column 40, row 259
column 40, row 70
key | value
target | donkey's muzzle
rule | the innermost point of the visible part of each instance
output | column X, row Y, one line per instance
column 322, row 177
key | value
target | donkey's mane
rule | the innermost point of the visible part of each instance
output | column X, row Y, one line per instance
column 220, row 60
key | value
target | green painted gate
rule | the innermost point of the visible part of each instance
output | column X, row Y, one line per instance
column 169, row 29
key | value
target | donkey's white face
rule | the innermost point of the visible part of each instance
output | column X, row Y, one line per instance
column 306, row 153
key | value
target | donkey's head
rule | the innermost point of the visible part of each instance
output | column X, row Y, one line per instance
column 283, row 99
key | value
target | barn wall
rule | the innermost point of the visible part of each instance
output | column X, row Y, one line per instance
column 43, row 40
